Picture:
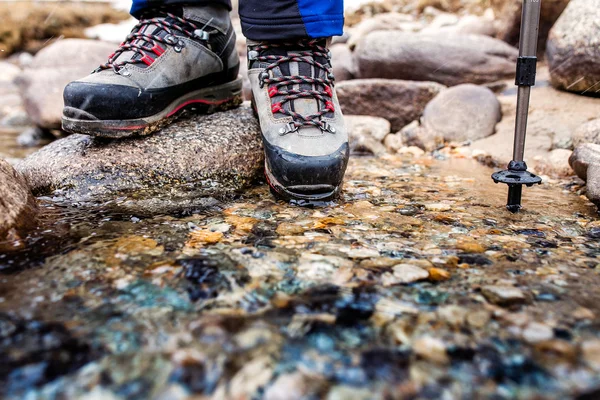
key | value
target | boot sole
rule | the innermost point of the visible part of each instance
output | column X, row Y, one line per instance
column 204, row 101
column 308, row 193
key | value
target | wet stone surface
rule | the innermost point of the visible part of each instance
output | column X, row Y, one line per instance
column 416, row 284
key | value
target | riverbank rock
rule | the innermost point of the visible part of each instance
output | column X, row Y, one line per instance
column 547, row 129
column 508, row 19
column 342, row 62
column 469, row 24
column 10, row 100
column 574, row 48
column 587, row 133
column 17, row 205
column 43, row 82
column 366, row 133
column 400, row 102
column 450, row 59
column 391, row 21
column 176, row 169
column 462, row 113
column 585, row 161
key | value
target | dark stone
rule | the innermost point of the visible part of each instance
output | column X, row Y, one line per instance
column 474, row 259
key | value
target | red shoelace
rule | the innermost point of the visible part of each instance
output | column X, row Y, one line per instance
column 145, row 44
column 309, row 51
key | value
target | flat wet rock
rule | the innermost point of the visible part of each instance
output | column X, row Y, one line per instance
column 175, row 170
column 257, row 296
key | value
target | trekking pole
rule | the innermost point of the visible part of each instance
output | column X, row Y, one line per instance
column 516, row 175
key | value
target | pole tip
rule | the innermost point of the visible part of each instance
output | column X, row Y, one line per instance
column 513, row 208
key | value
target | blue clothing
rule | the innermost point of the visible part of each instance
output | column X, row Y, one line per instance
column 275, row 19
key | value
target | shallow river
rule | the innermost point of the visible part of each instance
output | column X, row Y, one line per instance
column 256, row 298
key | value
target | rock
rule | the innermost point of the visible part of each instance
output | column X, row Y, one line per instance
column 592, row 188
column 536, row 332
column 505, row 295
column 342, row 61
column 590, row 350
column 400, row 102
column 555, row 163
column 469, row 24
column 437, row 207
column 405, row 273
column 10, row 100
column 366, row 133
column 15, row 118
column 547, row 128
column 587, row 133
column 593, row 231
column 43, row 82
column 393, row 142
column 478, row 25
column 584, row 155
column 33, row 137
column 508, row 19
column 450, row 59
column 293, row 386
column 111, row 32
column 462, row 113
column 414, row 134
column 438, row 275
column 479, row 318
column 174, row 169
column 431, row 349
column 9, row 72
column 470, row 246
column 391, row 21
column 17, row 205
column 453, row 315
column 573, row 50
column 375, row 127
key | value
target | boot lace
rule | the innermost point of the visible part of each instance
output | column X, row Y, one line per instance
column 322, row 90
column 144, row 44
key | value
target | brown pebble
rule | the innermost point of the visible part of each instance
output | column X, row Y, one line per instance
column 438, row 275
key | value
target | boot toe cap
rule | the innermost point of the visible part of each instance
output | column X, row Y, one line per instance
column 303, row 176
column 91, row 101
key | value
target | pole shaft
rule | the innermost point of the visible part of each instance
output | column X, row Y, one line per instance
column 530, row 25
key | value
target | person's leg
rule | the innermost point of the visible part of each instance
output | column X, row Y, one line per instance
column 181, row 55
column 138, row 6
column 304, row 137
column 291, row 19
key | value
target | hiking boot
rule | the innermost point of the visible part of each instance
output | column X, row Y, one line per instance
column 305, row 141
column 175, row 58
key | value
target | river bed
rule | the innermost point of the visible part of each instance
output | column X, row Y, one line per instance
column 416, row 284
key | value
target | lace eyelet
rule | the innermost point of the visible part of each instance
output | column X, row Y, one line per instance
column 170, row 39
column 326, row 127
column 252, row 55
column 262, row 77
column 289, row 128
column 124, row 72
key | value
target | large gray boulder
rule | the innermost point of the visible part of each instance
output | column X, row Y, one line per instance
column 462, row 113
column 43, row 82
column 450, row 59
column 177, row 169
column 400, row 102
column 17, row 205
column 585, row 161
column 573, row 50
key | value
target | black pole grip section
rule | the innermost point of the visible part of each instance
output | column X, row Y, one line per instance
column 526, row 71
